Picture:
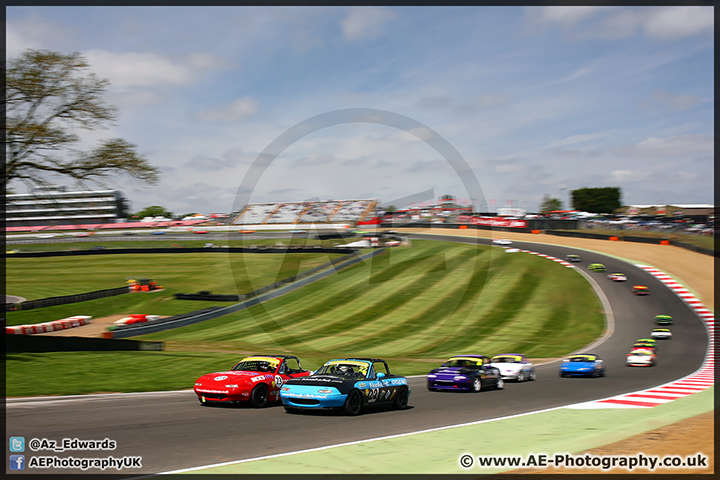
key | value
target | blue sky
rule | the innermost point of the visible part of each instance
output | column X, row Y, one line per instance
column 535, row 100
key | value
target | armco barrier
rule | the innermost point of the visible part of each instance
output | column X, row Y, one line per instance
column 208, row 296
column 41, row 343
column 125, row 331
column 692, row 247
column 115, row 251
column 63, row 300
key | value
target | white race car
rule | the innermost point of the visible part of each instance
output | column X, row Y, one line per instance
column 617, row 277
column 513, row 366
column 640, row 358
column 661, row 333
column 501, row 241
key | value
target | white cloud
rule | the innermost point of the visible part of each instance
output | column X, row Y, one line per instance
column 658, row 23
column 34, row 33
column 564, row 16
column 623, row 175
column 131, row 69
column 365, row 22
column 236, row 111
column 576, row 139
column 666, row 100
column 670, row 23
column 688, row 176
column 681, row 145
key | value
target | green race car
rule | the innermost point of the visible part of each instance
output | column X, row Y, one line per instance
column 597, row 267
column 663, row 319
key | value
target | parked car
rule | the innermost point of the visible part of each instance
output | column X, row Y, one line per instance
column 501, row 241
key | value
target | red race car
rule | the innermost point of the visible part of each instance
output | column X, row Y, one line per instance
column 640, row 290
column 256, row 379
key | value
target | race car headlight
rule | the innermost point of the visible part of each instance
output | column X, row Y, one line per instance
column 285, row 389
column 325, row 390
column 230, row 386
column 566, row 361
column 431, row 376
column 460, row 377
column 198, row 384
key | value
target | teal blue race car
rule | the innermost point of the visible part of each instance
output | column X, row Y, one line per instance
column 347, row 384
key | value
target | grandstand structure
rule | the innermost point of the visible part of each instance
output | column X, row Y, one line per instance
column 306, row 213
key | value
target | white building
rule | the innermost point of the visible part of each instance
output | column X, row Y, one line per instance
column 56, row 206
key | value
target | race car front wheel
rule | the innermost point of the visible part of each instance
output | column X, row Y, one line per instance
column 353, row 403
column 259, row 396
column 477, row 384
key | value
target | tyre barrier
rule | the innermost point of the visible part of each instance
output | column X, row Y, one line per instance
column 55, row 325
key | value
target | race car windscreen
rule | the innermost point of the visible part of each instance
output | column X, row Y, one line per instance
column 344, row 369
column 507, row 359
column 462, row 362
column 257, row 364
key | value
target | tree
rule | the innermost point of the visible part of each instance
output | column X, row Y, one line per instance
column 597, row 200
column 550, row 204
column 154, row 211
column 48, row 96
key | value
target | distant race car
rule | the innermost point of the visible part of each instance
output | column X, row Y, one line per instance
column 617, row 277
column 641, row 358
column 256, row 380
column 640, row 290
column 349, row 384
column 513, row 366
column 597, row 267
column 573, row 258
column 661, row 333
column 663, row 319
column 465, row 373
column 501, row 241
column 645, row 345
column 584, row 364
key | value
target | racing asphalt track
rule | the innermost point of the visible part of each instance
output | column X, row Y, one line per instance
column 171, row 431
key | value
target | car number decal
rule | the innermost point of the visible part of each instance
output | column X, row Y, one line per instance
column 278, row 381
column 372, row 394
column 220, row 378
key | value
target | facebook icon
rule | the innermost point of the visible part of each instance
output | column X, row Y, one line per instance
column 17, row 462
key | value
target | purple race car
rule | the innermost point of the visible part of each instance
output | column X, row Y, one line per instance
column 465, row 372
